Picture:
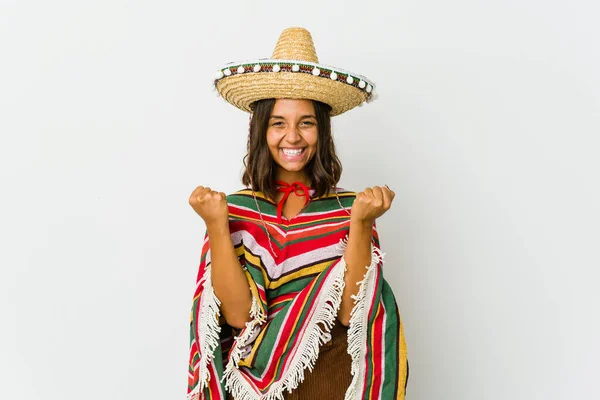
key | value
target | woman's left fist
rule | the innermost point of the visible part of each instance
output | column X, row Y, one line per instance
column 371, row 204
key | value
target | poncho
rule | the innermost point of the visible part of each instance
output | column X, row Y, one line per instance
column 296, row 284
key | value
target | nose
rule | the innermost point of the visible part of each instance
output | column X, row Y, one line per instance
column 293, row 134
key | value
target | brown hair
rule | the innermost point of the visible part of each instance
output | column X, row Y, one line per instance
column 324, row 169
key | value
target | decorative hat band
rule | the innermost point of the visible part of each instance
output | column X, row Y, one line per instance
column 305, row 67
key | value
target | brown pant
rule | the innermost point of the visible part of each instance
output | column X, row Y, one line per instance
column 331, row 376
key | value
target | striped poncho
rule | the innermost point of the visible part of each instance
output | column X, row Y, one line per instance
column 296, row 284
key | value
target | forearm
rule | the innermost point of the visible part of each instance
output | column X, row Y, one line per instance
column 228, row 278
column 358, row 258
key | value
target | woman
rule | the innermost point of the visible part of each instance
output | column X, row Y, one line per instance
column 290, row 301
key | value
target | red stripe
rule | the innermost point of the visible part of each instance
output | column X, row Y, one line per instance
column 310, row 218
column 301, row 248
column 377, row 351
column 256, row 229
column 280, row 299
column 216, row 390
column 192, row 382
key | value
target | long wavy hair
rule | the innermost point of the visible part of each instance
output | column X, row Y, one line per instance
column 324, row 169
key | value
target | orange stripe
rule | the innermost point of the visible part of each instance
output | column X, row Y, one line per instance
column 402, row 367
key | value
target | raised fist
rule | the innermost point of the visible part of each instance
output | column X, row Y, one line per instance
column 210, row 205
column 371, row 204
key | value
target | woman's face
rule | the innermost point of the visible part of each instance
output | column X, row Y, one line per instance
column 292, row 133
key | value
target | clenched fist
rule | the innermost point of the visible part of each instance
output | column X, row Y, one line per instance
column 371, row 204
column 211, row 206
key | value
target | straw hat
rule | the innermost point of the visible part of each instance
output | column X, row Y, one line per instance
column 293, row 72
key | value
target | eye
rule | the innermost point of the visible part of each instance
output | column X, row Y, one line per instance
column 278, row 123
column 309, row 123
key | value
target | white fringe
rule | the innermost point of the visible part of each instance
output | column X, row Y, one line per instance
column 317, row 333
column 342, row 245
column 194, row 394
column 208, row 330
column 258, row 318
column 357, row 331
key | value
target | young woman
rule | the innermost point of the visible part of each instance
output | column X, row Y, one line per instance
column 291, row 302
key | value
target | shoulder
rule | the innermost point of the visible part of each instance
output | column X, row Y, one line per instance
column 341, row 192
column 245, row 197
column 338, row 192
column 345, row 197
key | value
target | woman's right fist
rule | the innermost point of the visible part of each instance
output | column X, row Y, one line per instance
column 210, row 205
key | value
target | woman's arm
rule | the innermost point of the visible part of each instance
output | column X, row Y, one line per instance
column 358, row 258
column 228, row 278
column 368, row 206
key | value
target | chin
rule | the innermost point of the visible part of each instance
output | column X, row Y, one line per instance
column 292, row 168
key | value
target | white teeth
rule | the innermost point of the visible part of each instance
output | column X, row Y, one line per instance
column 292, row 152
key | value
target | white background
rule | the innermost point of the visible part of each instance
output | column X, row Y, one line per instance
column 486, row 127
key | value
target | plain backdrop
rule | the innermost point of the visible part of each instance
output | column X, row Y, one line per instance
column 486, row 127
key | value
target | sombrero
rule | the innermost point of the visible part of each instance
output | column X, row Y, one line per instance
column 293, row 72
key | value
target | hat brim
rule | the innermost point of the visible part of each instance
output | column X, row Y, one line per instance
column 244, row 89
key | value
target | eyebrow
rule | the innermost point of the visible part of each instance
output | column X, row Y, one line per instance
column 302, row 117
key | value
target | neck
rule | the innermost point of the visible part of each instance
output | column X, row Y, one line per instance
column 293, row 176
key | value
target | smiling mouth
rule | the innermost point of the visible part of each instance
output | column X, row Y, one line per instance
column 293, row 152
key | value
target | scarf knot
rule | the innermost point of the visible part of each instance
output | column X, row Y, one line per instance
column 287, row 189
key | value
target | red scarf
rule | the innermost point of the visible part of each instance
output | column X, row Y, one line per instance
column 297, row 187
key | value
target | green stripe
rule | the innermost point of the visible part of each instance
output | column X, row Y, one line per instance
column 391, row 334
column 316, row 237
column 294, row 286
column 325, row 220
